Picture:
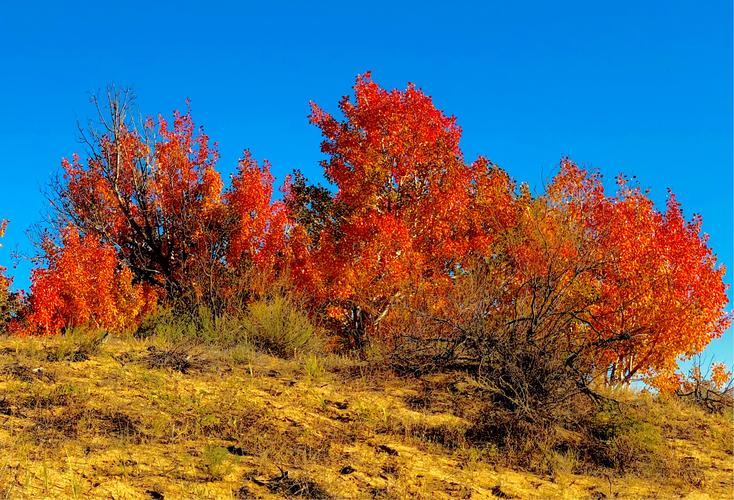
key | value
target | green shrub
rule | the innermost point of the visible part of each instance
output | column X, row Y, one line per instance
column 241, row 354
column 620, row 440
column 76, row 344
column 227, row 330
column 199, row 326
column 167, row 325
column 563, row 462
column 280, row 328
column 638, row 446
column 276, row 326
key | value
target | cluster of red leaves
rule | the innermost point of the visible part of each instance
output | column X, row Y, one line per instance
column 158, row 201
column 157, row 198
column 85, row 284
column 648, row 288
column 258, row 232
column 409, row 209
column 4, row 280
column 712, row 390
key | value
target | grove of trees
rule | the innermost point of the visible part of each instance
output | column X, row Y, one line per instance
column 411, row 247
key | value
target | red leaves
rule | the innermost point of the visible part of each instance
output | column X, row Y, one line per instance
column 84, row 284
column 720, row 376
column 5, row 282
column 409, row 214
column 258, row 234
column 389, row 141
column 408, row 210
column 654, row 281
column 158, row 199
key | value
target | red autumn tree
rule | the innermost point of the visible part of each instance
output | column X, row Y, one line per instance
column 4, row 280
column 154, row 194
column 647, row 287
column 407, row 211
column 663, row 292
column 85, row 284
column 583, row 286
column 8, row 301
column 631, row 287
column 257, row 223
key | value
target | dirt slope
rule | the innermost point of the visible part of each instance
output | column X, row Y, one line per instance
column 240, row 424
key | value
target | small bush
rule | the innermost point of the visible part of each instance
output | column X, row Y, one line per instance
column 290, row 487
column 226, row 330
column 77, row 344
column 197, row 326
column 276, row 326
column 564, row 462
column 637, row 446
column 241, row 354
column 711, row 389
column 279, row 327
column 623, row 440
column 166, row 325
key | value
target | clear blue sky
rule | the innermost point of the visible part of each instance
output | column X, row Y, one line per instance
column 639, row 87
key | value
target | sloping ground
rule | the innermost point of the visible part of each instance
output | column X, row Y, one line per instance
column 125, row 423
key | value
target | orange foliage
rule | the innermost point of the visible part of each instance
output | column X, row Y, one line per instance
column 636, row 287
column 720, row 376
column 258, row 235
column 667, row 382
column 157, row 198
column 4, row 280
column 643, row 285
column 158, row 201
column 85, row 284
column 408, row 210
column 409, row 215
column 717, row 378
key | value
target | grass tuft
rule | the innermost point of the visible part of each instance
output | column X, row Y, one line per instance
column 75, row 345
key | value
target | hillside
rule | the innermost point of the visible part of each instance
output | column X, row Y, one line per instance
column 138, row 419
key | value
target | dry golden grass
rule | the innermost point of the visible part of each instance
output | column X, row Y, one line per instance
column 143, row 419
